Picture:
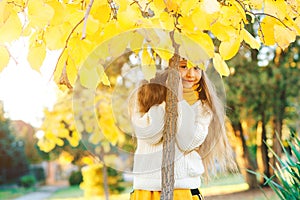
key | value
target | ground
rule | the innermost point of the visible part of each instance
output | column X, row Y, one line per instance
column 256, row 194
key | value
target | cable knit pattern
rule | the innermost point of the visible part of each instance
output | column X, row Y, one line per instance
column 193, row 122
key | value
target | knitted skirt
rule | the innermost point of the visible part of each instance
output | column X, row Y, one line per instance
column 179, row 194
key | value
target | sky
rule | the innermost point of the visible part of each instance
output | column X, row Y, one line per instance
column 25, row 92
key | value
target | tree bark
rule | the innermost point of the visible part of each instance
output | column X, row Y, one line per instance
column 105, row 177
column 262, row 151
column 245, row 162
column 170, row 127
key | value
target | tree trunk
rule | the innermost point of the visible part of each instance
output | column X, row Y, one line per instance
column 105, row 177
column 244, row 160
column 51, row 171
column 262, row 150
column 170, row 127
column 277, row 123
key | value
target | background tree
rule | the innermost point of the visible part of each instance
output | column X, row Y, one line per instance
column 252, row 93
column 10, row 149
column 77, row 29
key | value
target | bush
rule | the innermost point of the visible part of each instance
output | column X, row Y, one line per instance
column 75, row 178
column 39, row 173
column 27, row 181
column 288, row 174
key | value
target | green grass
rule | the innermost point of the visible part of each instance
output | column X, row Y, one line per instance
column 69, row 192
column 11, row 193
column 224, row 179
column 223, row 183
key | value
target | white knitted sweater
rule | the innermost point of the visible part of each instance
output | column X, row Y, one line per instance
column 193, row 122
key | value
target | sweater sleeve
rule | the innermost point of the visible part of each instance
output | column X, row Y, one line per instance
column 193, row 125
column 149, row 126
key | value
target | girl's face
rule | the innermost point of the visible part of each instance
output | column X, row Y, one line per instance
column 191, row 76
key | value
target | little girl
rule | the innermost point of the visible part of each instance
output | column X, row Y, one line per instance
column 200, row 139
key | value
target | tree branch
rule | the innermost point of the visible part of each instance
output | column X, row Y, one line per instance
column 114, row 8
column 255, row 14
column 86, row 18
column 286, row 26
column 66, row 45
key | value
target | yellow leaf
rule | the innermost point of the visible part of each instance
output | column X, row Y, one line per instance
column 202, row 19
column 276, row 8
column 60, row 66
column 136, row 42
column 266, row 33
column 232, row 15
column 4, row 57
column 228, row 49
column 240, row 10
column 160, row 5
column 171, row 5
column 256, row 4
column 74, row 140
column 101, row 53
column 166, row 21
column 46, row 145
column 105, row 11
column 109, row 31
column 92, row 25
column 59, row 12
column 117, row 45
column 190, row 50
column 220, row 65
column 79, row 49
column 148, row 65
column 163, row 40
column 128, row 18
column 5, row 11
column 164, row 54
column 151, row 36
column 205, row 41
column 92, row 60
column 39, row 13
column 187, row 6
column 59, row 142
column 55, row 37
column 297, row 25
column 186, row 24
column 123, row 4
column 71, row 70
column 73, row 15
column 249, row 39
column 284, row 36
column 36, row 55
column 11, row 28
column 103, row 77
column 89, row 78
column 223, row 32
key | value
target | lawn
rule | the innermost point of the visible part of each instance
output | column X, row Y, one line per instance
column 229, row 187
column 14, row 192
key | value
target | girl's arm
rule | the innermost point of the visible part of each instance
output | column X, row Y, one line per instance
column 150, row 125
column 192, row 125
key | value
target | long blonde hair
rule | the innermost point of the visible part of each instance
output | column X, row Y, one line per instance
column 216, row 147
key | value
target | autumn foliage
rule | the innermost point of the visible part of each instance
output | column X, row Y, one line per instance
column 77, row 28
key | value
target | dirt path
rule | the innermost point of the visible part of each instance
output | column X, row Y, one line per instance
column 256, row 194
column 42, row 193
